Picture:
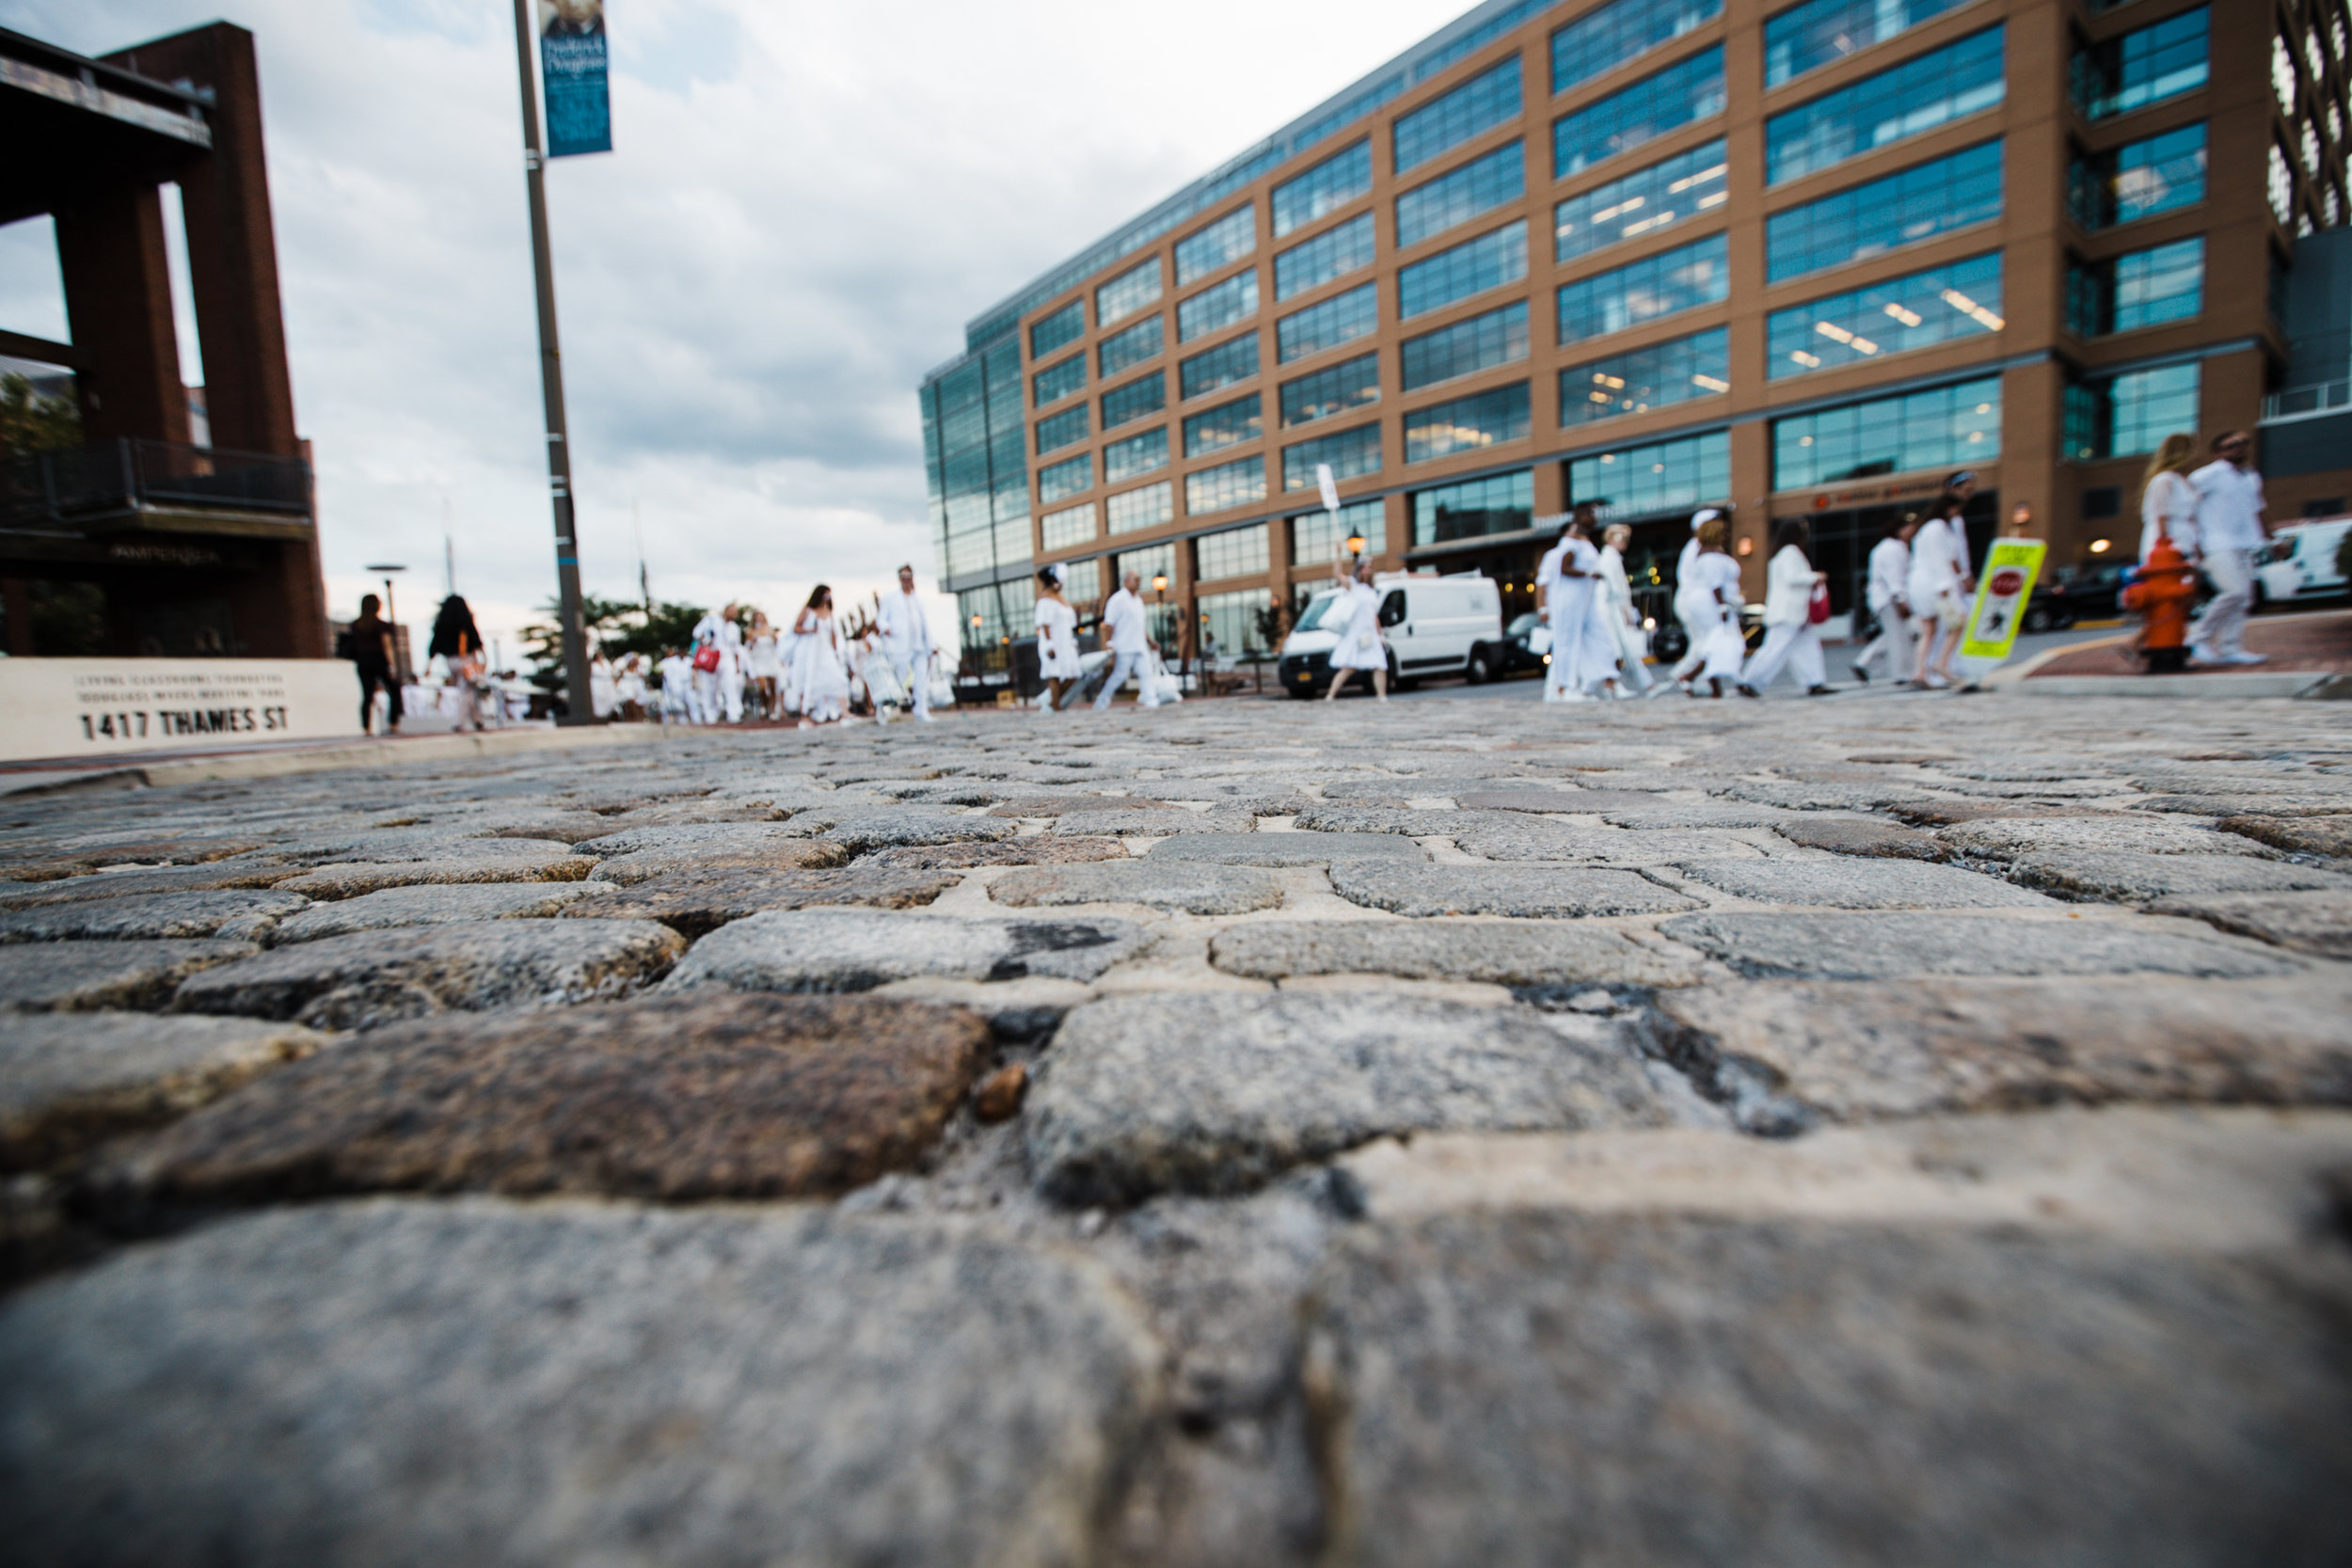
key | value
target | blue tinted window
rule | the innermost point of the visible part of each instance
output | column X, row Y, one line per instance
column 1143, row 396
column 1132, row 347
column 1948, row 427
column 1350, row 452
column 1911, row 205
column 1317, row 536
column 1221, row 366
column 1811, row 35
column 2142, row 68
column 1471, row 267
column 1478, row 187
column 1065, row 479
column 1661, row 476
column 1343, row 388
column 1228, row 239
column 1917, row 96
column 1229, row 424
column 1681, row 93
column 1127, row 293
column 1235, row 552
column 1215, row 308
column 1500, row 503
column 1645, row 290
column 1136, row 454
column 1485, row 101
column 1060, row 430
column 1063, row 530
column 1931, row 306
column 1604, row 40
column 1478, row 344
column 1642, row 379
column 1333, row 253
column 1065, row 325
column 2131, row 413
column 2140, row 178
column 1644, row 202
column 1131, row 510
column 1467, row 425
column 2145, row 288
column 1228, row 484
column 1341, row 319
column 1056, row 382
column 1328, row 187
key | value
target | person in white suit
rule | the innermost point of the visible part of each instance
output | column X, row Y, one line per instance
column 1790, row 637
column 1583, row 655
column 1694, row 631
column 1123, row 624
column 1615, row 608
column 906, row 638
column 2230, row 529
column 1889, row 595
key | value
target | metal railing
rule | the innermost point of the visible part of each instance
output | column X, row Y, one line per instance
column 127, row 475
column 2301, row 402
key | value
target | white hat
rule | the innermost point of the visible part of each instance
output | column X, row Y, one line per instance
column 1702, row 516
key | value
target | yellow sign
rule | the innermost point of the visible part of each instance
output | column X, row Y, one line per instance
column 2002, row 592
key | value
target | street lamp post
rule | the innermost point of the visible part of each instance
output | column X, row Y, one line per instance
column 391, row 613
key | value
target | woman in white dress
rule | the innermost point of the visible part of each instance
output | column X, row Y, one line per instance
column 1359, row 645
column 1936, row 586
column 1708, row 600
column 765, row 663
column 1584, row 655
column 1056, row 637
column 797, row 643
column 1614, row 603
column 824, row 666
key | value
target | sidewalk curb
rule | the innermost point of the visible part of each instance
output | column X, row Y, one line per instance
column 2185, row 688
column 357, row 753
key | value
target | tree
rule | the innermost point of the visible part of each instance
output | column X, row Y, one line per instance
column 619, row 627
column 31, row 422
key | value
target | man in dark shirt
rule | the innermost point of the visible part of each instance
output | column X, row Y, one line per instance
column 372, row 650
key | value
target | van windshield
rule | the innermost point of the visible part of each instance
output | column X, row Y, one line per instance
column 1328, row 612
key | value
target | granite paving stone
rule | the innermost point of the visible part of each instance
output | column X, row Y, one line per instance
column 1546, row 800
column 432, row 904
column 2123, row 878
column 673, row 1099
column 369, row 978
column 782, row 855
column 2246, row 805
column 2319, row 921
column 1860, row 836
column 1033, row 850
column 1710, row 813
column 1412, row 823
column 1293, row 848
column 1851, row 883
column 1191, row 888
column 1531, row 892
column 1055, row 806
column 694, row 903
column 1888, row 943
column 851, row 950
column 1137, row 1098
column 405, row 1381
column 1823, row 794
column 1535, row 839
column 860, row 831
column 1153, row 824
column 233, row 873
column 698, row 838
column 232, row 913
column 2296, row 835
column 2139, row 835
column 353, row 878
column 85, row 976
column 72, row 1079
column 1510, row 953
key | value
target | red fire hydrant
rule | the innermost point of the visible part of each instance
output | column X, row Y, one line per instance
column 2162, row 593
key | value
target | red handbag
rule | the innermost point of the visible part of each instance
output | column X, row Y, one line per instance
column 707, row 659
column 1818, row 610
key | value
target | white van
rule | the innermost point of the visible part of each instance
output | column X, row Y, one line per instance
column 2301, row 562
column 1435, row 626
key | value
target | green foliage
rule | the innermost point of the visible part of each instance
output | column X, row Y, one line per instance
column 30, row 422
column 620, row 627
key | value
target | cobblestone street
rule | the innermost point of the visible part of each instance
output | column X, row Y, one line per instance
column 1885, row 1131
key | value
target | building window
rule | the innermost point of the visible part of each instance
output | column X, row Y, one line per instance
column 1467, row 425
column 1601, row 40
column 1947, row 427
column 1216, row 309
column 2145, row 288
column 2281, row 186
column 1644, row 202
column 1065, row 325
column 1906, row 207
column 1127, row 293
column 1132, row 511
column 1066, row 479
column 1061, row 430
column 1331, row 184
column 1346, row 386
column 1071, row 526
column 1341, row 319
column 1494, row 181
column 1132, row 347
column 2138, row 178
column 1136, row 454
column 1231, row 619
column 1663, row 476
column 1143, row 396
column 1082, row 582
column 1317, row 537
column 1656, row 286
column 1915, row 96
column 1147, row 561
column 1333, row 253
column 2282, row 76
column 1056, row 382
column 1689, row 90
column 1893, row 317
column 1230, row 484
column 2130, row 414
column 1478, row 106
column 1472, row 267
column 1500, row 503
column 1642, row 379
column 1478, row 344
column 1812, row 34
column 1350, row 452
column 1234, row 553
column 2136, row 69
column 1228, row 239
column 1221, row 366
column 1229, row 424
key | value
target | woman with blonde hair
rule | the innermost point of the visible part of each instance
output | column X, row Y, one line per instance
column 2167, row 502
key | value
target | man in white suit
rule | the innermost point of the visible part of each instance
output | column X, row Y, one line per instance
column 907, row 642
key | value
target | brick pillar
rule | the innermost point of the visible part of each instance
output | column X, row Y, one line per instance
column 117, row 303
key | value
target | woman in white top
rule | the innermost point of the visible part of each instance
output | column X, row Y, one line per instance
column 1584, row 655
column 824, row 669
column 1056, row 637
column 1708, row 600
column 1614, row 604
column 1935, row 590
column 1360, row 646
column 1790, row 637
column 2167, row 502
column 603, row 693
column 1693, row 632
column 764, row 663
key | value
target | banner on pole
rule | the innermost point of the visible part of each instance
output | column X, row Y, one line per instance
column 2007, row 583
column 572, row 62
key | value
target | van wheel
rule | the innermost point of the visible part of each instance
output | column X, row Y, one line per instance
column 1480, row 670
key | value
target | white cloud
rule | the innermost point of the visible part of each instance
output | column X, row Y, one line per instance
column 806, row 204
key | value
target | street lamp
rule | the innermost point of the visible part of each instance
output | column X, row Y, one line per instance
column 391, row 615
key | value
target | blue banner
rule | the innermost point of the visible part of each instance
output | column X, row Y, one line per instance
column 572, row 64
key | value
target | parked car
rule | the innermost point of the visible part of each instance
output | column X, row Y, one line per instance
column 1526, row 641
column 2304, row 561
column 1449, row 625
column 2091, row 594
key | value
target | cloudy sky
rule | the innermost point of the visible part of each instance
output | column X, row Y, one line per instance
column 807, row 202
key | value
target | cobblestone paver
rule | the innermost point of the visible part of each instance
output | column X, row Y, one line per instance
column 1857, row 1132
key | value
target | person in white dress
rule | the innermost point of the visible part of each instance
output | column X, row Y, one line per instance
column 710, row 659
column 677, row 687
column 1056, row 637
column 1614, row 604
column 802, row 634
column 1694, row 655
column 906, row 642
column 824, row 668
column 1889, row 597
column 1360, row 646
column 603, row 694
column 1936, row 578
column 1708, row 600
column 1790, row 637
column 2167, row 502
column 763, row 661
column 1123, row 624
column 2230, row 529
column 628, row 686
column 1584, row 656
